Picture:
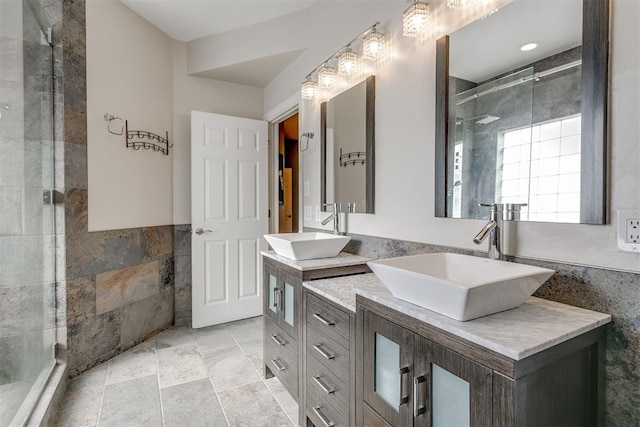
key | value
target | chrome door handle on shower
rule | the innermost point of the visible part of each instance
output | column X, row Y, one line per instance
column 201, row 231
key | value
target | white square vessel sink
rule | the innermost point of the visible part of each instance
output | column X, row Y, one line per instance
column 301, row 246
column 461, row 287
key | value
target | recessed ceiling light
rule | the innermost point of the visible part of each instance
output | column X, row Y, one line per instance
column 528, row 46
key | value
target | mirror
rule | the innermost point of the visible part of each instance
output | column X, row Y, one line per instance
column 522, row 124
column 347, row 126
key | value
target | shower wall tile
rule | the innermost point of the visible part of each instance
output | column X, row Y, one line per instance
column 37, row 217
column 12, row 159
column 81, row 299
column 118, row 288
column 11, row 60
column 26, row 259
column 23, row 309
column 92, row 341
column 11, row 208
column 38, row 163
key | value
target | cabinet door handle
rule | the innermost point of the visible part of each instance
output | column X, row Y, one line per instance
column 278, row 365
column 322, row 417
column 417, row 408
column 278, row 340
column 275, row 298
column 322, row 320
column 323, row 353
column 323, row 386
column 404, row 397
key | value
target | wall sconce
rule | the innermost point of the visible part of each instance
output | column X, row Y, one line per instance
column 326, row 75
column 415, row 19
column 372, row 44
column 347, row 61
column 309, row 88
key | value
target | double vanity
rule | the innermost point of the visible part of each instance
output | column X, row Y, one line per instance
column 351, row 353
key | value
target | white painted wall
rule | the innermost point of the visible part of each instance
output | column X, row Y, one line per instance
column 201, row 94
column 405, row 110
column 129, row 73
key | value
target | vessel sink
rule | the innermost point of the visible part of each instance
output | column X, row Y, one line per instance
column 301, row 246
column 461, row 287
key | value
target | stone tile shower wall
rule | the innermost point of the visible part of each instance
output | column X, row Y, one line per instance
column 614, row 292
column 119, row 284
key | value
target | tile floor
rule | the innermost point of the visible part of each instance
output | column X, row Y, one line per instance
column 183, row 377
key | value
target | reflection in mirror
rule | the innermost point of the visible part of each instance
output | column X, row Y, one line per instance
column 515, row 123
column 347, row 149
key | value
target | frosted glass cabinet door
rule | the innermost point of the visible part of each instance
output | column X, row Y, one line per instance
column 272, row 291
column 289, row 303
column 456, row 390
column 388, row 363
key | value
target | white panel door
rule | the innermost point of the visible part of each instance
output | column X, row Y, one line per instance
column 229, row 216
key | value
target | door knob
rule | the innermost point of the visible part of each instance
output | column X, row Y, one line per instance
column 200, row 231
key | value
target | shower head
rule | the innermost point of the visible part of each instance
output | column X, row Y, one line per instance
column 487, row 119
column 480, row 120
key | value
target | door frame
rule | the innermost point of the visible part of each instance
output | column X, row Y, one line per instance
column 280, row 113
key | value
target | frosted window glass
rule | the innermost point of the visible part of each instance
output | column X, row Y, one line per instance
column 272, row 300
column 288, row 303
column 451, row 399
column 387, row 371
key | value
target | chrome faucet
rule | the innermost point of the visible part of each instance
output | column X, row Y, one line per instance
column 335, row 216
column 498, row 213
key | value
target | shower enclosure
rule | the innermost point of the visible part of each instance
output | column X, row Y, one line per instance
column 27, row 221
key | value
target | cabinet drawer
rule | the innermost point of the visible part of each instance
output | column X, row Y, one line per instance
column 322, row 413
column 331, row 355
column 326, row 383
column 328, row 320
column 282, row 359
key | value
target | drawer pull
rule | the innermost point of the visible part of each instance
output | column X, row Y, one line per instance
column 278, row 365
column 323, row 386
column 323, row 353
column 322, row 417
column 322, row 320
column 277, row 340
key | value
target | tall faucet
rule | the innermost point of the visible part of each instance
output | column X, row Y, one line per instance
column 335, row 216
column 498, row 213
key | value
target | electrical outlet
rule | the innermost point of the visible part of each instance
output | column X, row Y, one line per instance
column 629, row 230
column 633, row 231
column 308, row 213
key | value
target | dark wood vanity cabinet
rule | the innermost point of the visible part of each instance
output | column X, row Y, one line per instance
column 329, row 341
column 411, row 373
column 321, row 334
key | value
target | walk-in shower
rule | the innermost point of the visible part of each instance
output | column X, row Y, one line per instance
column 27, row 221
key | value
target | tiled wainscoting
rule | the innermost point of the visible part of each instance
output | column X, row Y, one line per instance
column 183, row 377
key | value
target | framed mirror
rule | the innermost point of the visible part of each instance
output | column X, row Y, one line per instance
column 521, row 112
column 347, row 154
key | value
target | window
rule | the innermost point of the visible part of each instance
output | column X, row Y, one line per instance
column 540, row 166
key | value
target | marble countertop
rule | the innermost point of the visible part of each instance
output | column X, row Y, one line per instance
column 535, row 326
column 342, row 260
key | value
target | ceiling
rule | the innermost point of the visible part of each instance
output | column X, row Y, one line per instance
column 187, row 20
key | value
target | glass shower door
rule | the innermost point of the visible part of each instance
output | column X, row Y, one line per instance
column 27, row 228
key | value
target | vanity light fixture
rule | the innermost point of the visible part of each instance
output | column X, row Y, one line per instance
column 326, row 75
column 347, row 61
column 309, row 88
column 528, row 46
column 415, row 19
column 372, row 44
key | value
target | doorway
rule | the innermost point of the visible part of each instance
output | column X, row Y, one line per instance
column 288, row 175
